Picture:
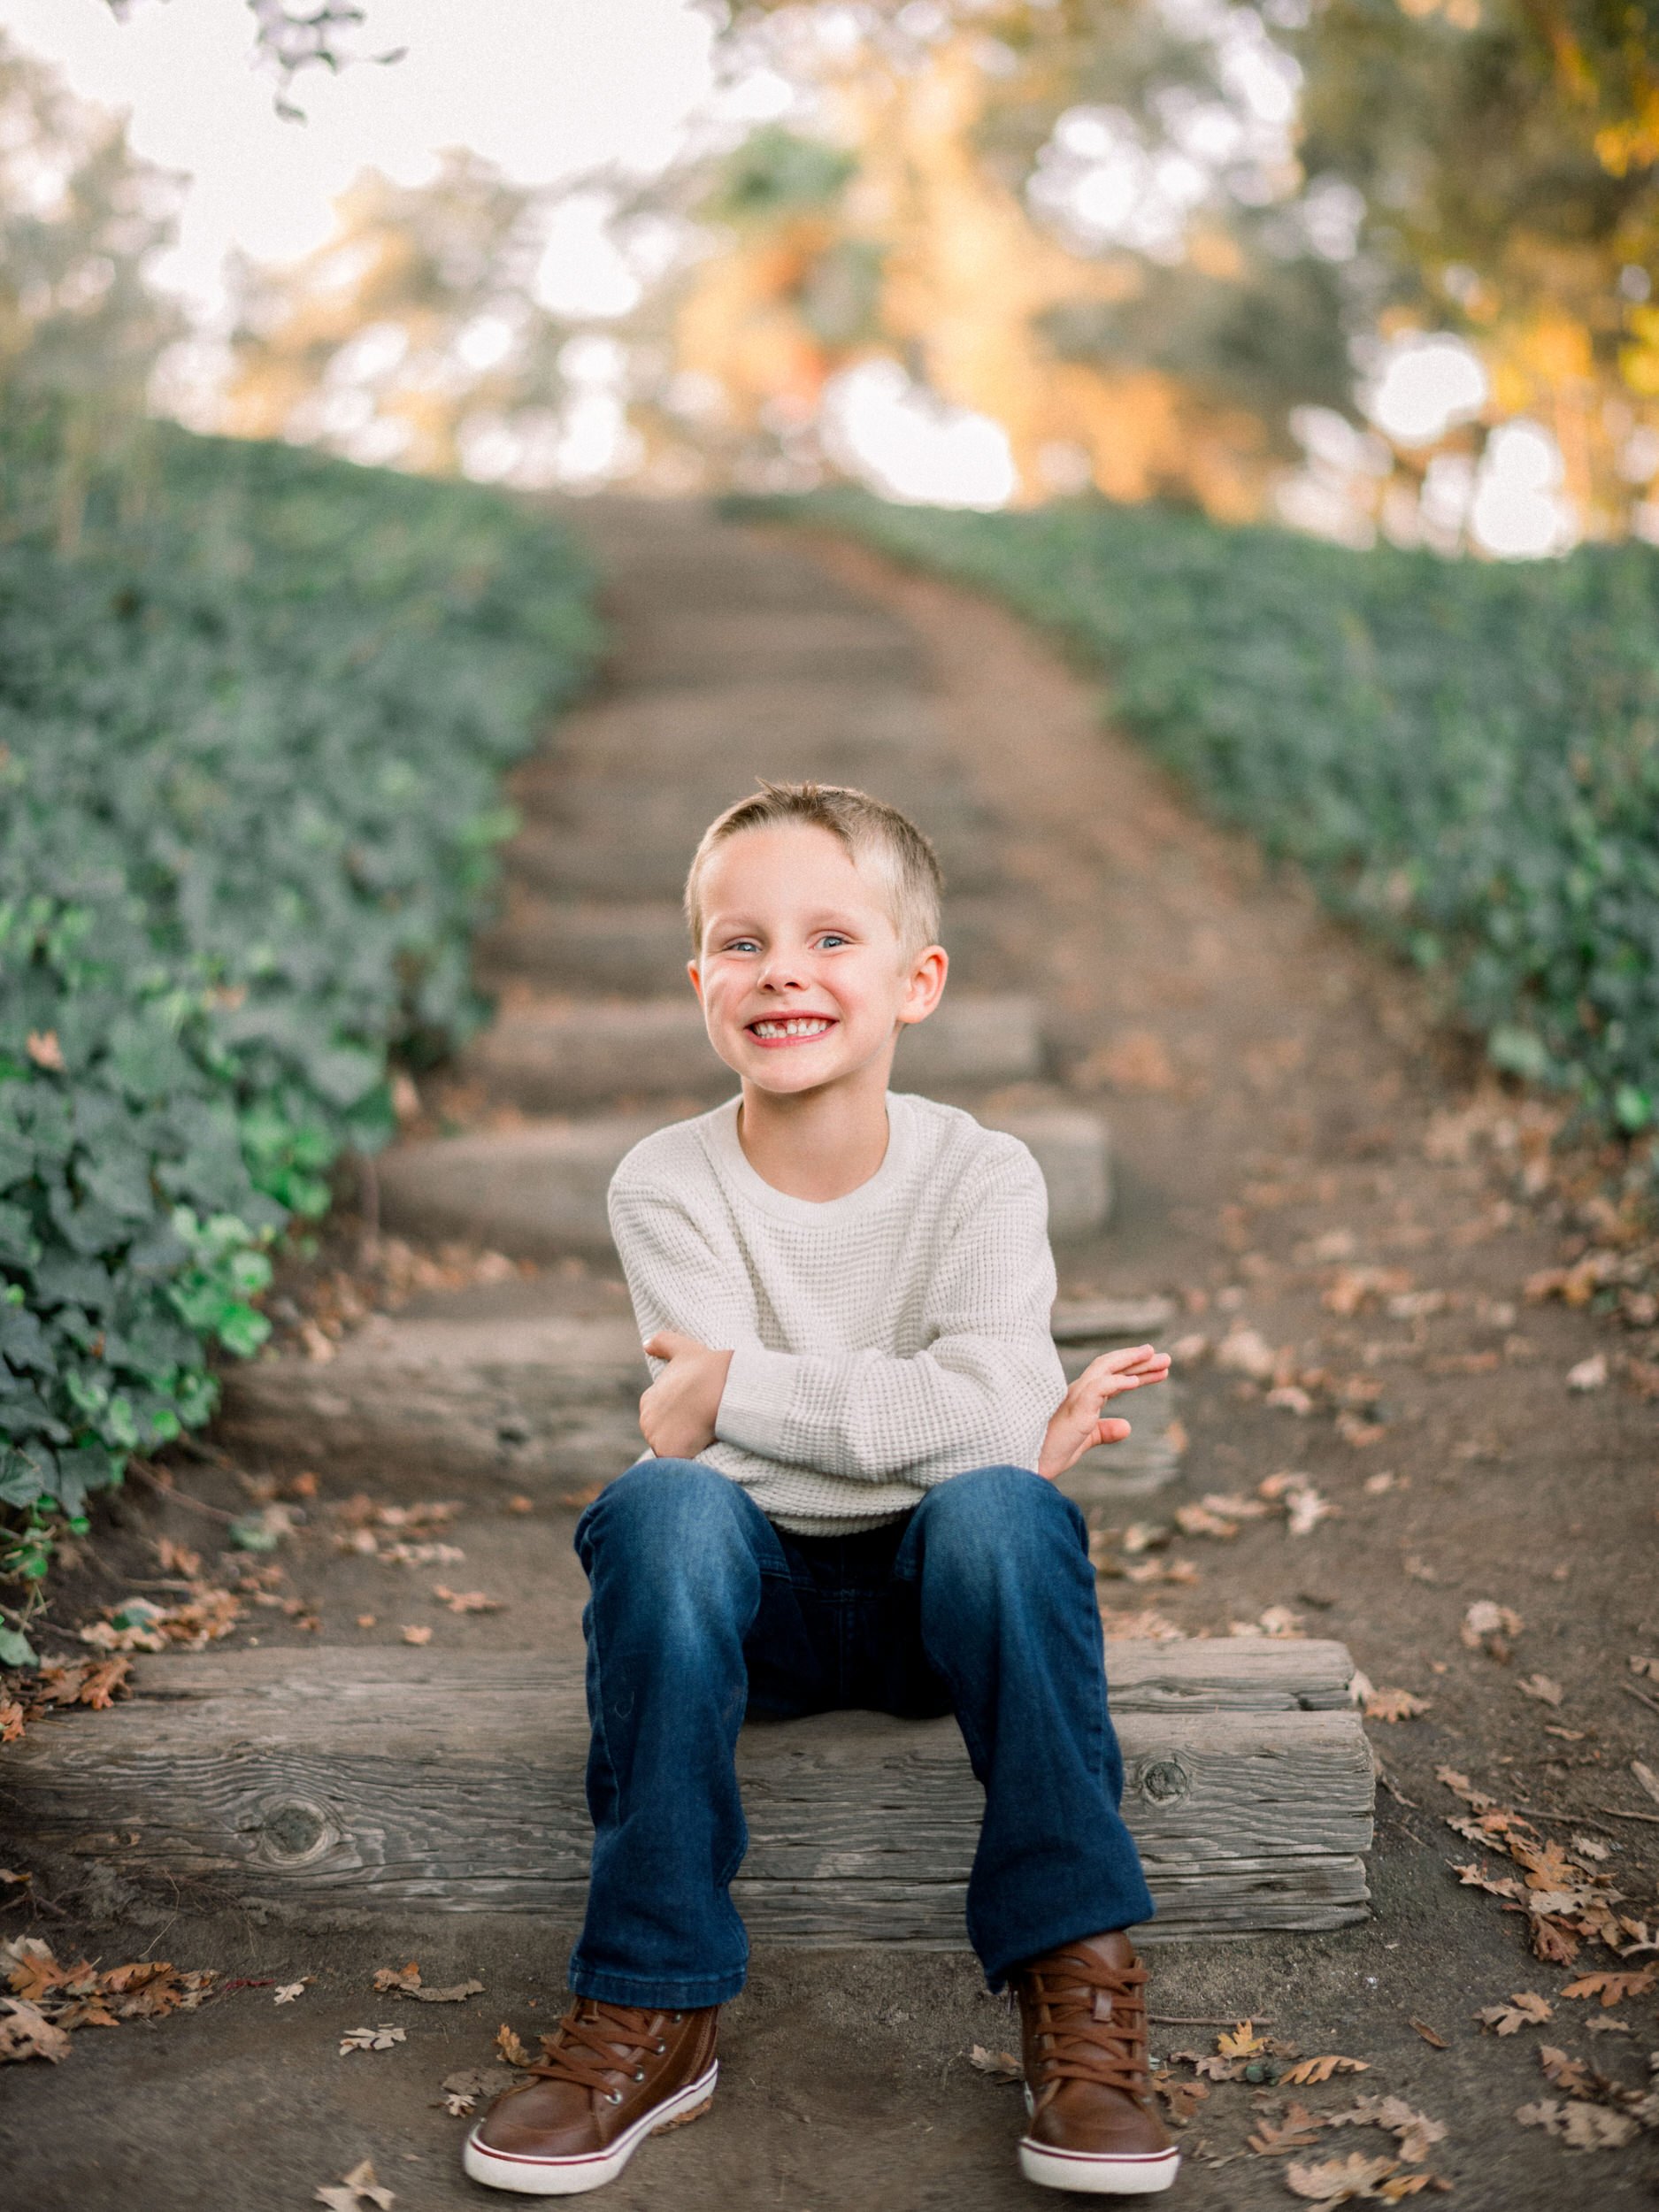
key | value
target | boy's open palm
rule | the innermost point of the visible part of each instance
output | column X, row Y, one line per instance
column 1078, row 1424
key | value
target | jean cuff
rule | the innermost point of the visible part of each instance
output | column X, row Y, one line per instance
column 1132, row 1913
column 655, row 1992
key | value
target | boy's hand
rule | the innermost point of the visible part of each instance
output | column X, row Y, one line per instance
column 1077, row 1426
column 677, row 1413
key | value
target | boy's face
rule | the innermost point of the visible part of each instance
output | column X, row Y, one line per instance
column 802, row 975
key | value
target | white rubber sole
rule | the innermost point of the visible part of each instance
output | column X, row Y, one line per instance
column 1089, row 2174
column 572, row 2176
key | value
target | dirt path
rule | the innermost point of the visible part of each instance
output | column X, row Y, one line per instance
column 1344, row 1225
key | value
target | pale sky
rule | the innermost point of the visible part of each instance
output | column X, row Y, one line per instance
column 546, row 89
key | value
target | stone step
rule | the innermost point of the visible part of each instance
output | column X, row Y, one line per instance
column 560, row 1058
column 327, row 1781
column 538, row 1192
column 571, row 863
column 515, row 1391
column 603, row 946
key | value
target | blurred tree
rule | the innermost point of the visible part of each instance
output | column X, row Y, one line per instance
column 414, row 334
column 82, row 328
column 295, row 36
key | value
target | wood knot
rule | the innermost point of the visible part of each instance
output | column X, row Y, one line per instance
column 1163, row 1781
column 294, row 1831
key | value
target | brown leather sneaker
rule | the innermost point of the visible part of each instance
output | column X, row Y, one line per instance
column 613, row 2075
column 1092, row 2126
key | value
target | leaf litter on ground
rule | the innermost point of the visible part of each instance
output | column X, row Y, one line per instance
column 376, row 2038
column 48, row 1993
column 998, row 2066
column 359, row 2187
column 407, row 1982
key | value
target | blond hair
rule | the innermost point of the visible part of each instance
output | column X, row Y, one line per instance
column 870, row 830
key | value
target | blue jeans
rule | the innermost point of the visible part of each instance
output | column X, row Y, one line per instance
column 981, row 1601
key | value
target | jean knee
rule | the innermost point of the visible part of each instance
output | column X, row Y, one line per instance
column 995, row 1517
column 671, row 1520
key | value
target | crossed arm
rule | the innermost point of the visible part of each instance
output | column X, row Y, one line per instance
column 677, row 1412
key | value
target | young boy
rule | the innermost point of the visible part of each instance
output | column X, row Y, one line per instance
column 845, row 1297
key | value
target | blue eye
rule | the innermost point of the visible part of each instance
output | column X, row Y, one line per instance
column 743, row 944
column 835, row 937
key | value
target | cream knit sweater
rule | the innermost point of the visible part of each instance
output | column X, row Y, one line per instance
column 882, row 1342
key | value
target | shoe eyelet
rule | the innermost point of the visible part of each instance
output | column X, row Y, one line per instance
column 676, row 2017
column 614, row 2097
column 661, row 2049
column 639, row 2073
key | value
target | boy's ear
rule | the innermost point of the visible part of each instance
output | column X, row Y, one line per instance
column 928, row 970
column 694, row 972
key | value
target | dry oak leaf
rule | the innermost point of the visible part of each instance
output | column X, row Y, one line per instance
column 1589, row 1374
column 1562, row 2071
column 1541, row 1687
column 1485, row 1618
column 380, row 2038
column 1312, row 2071
column 416, row 1635
column 1417, row 2132
column 290, row 1993
column 997, row 2065
column 1242, row 2041
column 1582, row 2127
column 510, row 2048
column 1332, row 2181
column 1183, row 2098
column 1614, row 1989
column 12, row 1718
column 359, row 2188
column 1648, row 1779
column 25, row 2032
column 401, row 1977
column 1298, row 2131
column 464, row 1601
column 1526, row 2010
column 1394, row 1705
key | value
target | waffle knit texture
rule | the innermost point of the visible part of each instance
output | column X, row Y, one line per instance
column 882, row 1342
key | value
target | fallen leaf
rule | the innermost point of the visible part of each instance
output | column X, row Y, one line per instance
column 1614, row 1989
column 1241, row 2042
column 1562, row 2071
column 291, row 1992
column 1484, row 1620
column 1318, row 2070
column 359, row 2188
column 1592, row 2127
column 1339, row 2180
column 1604, row 2024
column 1183, row 2098
column 1541, row 1687
column 380, row 2038
column 1298, row 2131
column 1648, row 1779
column 1430, row 2035
column 1589, row 1374
column 998, row 2065
column 1394, row 1705
column 454, row 1994
column 464, row 1601
column 1416, row 2133
column 1526, row 2010
column 416, row 1635
column 25, row 2032
column 510, row 2048
column 1642, row 1665
column 406, row 1978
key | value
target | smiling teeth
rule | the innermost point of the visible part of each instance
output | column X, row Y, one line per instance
column 805, row 1025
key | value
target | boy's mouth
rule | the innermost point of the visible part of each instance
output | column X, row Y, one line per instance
column 796, row 1029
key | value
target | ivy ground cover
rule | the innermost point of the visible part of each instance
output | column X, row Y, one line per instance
column 251, row 737
column 1463, row 756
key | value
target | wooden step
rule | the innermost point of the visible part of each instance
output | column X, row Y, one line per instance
column 676, row 647
column 571, row 863
column 561, row 1057
column 387, row 1780
column 836, row 731
column 598, row 945
column 617, row 811
column 524, row 1396
column 538, row 1191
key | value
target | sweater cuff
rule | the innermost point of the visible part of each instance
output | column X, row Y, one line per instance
column 754, row 1404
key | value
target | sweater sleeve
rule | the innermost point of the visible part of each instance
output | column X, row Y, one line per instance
column 978, row 1393
column 675, row 1278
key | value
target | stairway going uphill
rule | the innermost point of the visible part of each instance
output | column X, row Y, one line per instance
column 333, row 1777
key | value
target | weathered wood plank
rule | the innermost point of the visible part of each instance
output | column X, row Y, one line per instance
column 385, row 1778
column 1094, row 1321
column 538, row 1191
column 561, row 1057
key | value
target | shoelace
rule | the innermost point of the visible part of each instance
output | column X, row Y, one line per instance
column 1091, row 2027
column 594, row 2043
